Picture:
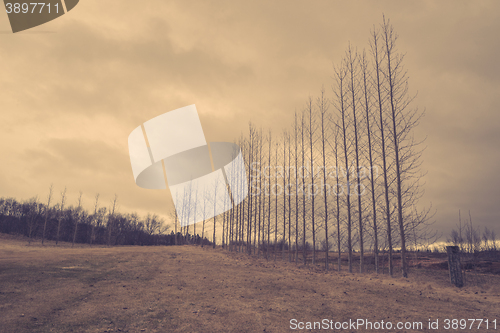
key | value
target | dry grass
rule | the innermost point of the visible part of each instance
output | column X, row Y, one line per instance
column 189, row 289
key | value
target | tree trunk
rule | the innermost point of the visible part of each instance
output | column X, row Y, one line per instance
column 389, row 41
column 311, row 145
column 323, row 108
column 370, row 157
column 375, row 52
column 352, row 66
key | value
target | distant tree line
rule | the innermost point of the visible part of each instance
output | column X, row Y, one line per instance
column 469, row 239
column 59, row 222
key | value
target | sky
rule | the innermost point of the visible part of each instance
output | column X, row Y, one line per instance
column 72, row 90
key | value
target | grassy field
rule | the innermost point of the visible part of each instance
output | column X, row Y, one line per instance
column 190, row 289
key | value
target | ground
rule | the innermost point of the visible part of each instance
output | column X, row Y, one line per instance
column 193, row 289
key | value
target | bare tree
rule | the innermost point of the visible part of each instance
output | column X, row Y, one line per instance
column 223, row 224
column 176, row 220
column 341, row 73
column 153, row 224
column 216, row 188
column 368, row 116
column 77, row 217
column 251, row 147
column 173, row 216
column 111, row 218
column 283, row 243
column 323, row 109
column 407, row 155
column 303, row 147
column 203, row 225
column 195, row 215
column 61, row 214
column 337, row 198
column 47, row 211
column 257, row 203
column 353, row 70
column 312, row 142
column 375, row 49
column 296, row 130
column 261, row 198
column 493, row 238
column 473, row 237
column 395, row 99
column 95, row 218
column 30, row 212
column 269, row 201
column 241, row 214
column 289, row 200
column 276, row 207
column 461, row 239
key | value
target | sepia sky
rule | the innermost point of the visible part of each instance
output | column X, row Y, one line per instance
column 73, row 89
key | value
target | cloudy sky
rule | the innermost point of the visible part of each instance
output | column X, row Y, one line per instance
column 73, row 89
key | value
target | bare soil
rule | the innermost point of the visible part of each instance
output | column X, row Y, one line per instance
column 192, row 289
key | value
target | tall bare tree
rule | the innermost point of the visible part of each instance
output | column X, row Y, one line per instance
column 289, row 200
column 261, row 197
column 251, row 148
column 269, row 200
column 283, row 243
column 323, row 112
column 276, row 206
column 241, row 207
column 312, row 191
column 296, row 131
column 303, row 147
column 336, row 129
column 407, row 152
column 341, row 73
column 216, row 191
column 204, row 219
column 368, row 116
column 352, row 68
column 378, row 63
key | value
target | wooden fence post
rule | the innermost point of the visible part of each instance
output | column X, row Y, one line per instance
column 454, row 266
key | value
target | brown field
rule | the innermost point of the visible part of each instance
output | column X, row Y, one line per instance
column 190, row 289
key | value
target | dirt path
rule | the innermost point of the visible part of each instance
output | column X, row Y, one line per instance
column 189, row 289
